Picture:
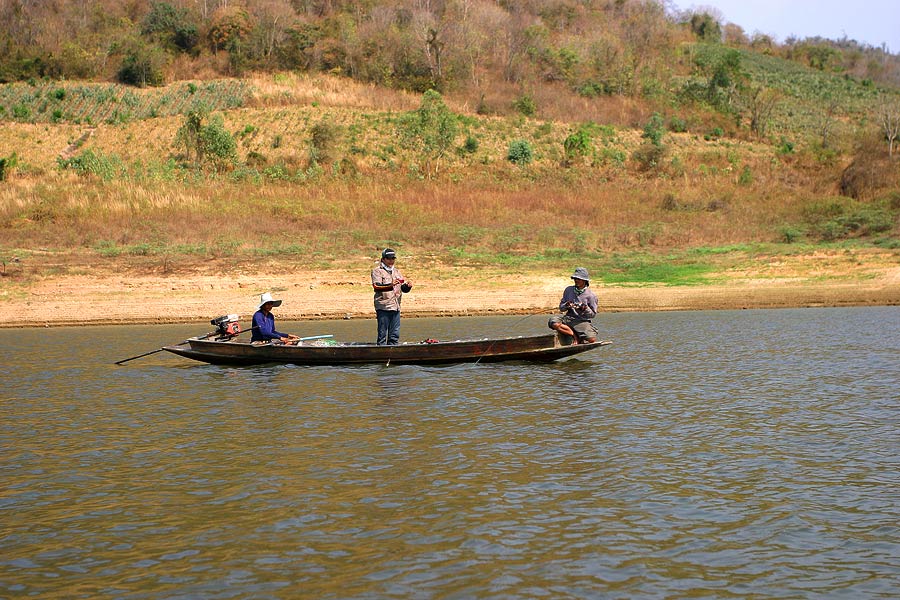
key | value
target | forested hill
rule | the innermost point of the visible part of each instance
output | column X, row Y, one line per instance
column 595, row 46
column 491, row 52
column 618, row 63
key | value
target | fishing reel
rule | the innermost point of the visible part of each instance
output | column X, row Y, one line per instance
column 227, row 325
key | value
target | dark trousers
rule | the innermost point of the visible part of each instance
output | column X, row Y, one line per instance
column 388, row 327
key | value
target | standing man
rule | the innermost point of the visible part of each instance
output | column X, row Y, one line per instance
column 580, row 306
column 389, row 286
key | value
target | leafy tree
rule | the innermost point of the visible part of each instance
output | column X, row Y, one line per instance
column 820, row 56
column 171, row 26
column 230, row 28
column 706, row 27
column 142, row 65
column 296, row 50
column 724, row 76
column 431, row 129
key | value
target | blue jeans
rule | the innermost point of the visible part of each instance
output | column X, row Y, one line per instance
column 388, row 327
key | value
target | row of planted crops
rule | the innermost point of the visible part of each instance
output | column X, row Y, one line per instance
column 90, row 104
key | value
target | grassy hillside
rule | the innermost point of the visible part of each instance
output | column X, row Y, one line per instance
column 326, row 170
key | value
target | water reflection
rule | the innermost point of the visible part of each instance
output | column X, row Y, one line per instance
column 724, row 454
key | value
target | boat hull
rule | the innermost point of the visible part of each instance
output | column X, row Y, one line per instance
column 541, row 348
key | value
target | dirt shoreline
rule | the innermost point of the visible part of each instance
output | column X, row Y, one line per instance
column 79, row 300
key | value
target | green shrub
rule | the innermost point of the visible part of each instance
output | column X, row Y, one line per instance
column 207, row 142
column 21, row 112
column 649, row 156
column 94, row 163
column 525, row 105
column 256, row 159
column 7, row 165
column 592, row 89
column 888, row 243
column 470, row 146
column 218, row 145
column 841, row 217
column 520, row 152
column 714, row 134
column 677, row 125
column 323, row 141
column 786, row 146
column 578, row 144
column 277, row 172
column 654, row 130
column 613, row 156
column 790, row 234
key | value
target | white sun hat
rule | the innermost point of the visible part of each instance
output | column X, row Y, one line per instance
column 267, row 297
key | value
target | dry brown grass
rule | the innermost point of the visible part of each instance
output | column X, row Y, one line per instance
column 344, row 217
column 281, row 89
column 706, row 192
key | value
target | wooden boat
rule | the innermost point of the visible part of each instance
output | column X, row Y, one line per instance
column 542, row 348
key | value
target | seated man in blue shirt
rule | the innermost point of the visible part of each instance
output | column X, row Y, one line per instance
column 264, row 323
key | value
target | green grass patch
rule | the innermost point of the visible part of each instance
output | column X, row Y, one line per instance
column 644, row 269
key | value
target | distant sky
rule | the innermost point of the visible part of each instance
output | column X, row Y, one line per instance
column 871, row 22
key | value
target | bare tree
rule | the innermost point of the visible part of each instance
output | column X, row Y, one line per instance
column 889, row 121
column 429, row 33
column 477, row 24
column 514, row 44
column 273, row 18
column 828, row 121
column 760, row 103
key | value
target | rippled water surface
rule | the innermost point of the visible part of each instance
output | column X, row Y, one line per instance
column 749, row 454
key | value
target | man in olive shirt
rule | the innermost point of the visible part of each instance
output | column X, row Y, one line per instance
column 389, row 286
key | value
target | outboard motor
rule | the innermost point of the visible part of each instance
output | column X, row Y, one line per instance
column 227, row 326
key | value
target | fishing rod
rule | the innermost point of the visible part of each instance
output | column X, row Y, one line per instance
column 543, row 311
